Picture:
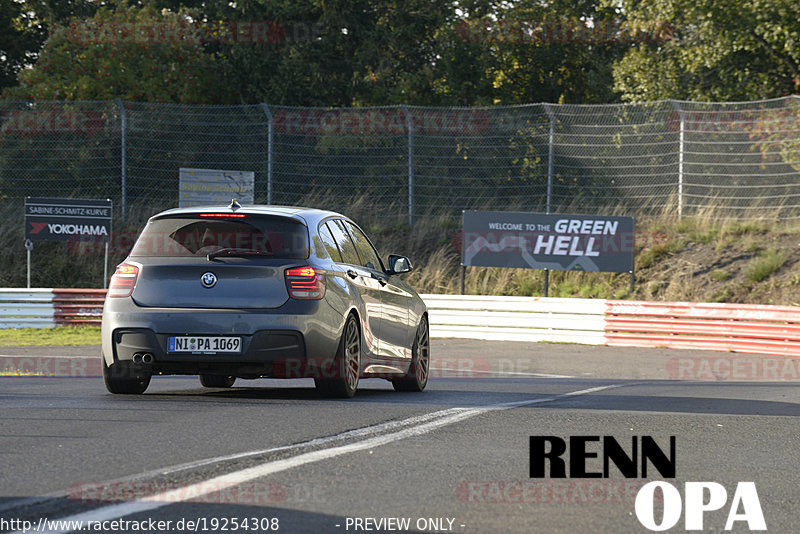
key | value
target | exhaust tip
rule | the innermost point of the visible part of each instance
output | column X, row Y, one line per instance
column 137, row 358
column 147, row 358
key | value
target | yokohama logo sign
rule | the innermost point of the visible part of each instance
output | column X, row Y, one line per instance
column 67, row 219
column 69, row 229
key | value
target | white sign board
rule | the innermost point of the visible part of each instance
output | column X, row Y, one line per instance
column 200, row 187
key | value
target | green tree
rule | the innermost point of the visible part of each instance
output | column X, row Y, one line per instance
column 24, row 27
column 19, row 41
column 556, row 51
column 329, row 53
column 131, row 53
column 718, row 50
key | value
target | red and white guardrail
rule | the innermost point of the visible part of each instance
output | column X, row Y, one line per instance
column 42, row 308
column 760, row 329
column 753, row 328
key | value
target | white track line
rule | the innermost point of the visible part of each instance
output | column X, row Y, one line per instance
column 422, row 425
column 469, row 373
column 316, row 442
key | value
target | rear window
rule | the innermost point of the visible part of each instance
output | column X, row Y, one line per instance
column 198, row 236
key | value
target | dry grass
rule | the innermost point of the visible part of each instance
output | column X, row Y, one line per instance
column 676, row 259
column 765, row 264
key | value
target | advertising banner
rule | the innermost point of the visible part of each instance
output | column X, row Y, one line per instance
column 556, row 242
column 67, row 219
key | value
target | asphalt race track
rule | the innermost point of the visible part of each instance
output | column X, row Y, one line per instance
column 269, row 456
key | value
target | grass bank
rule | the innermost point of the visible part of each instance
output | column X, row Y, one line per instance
column 59, row 335
column 703, row 258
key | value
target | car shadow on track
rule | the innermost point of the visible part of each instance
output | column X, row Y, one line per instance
column 700, row 398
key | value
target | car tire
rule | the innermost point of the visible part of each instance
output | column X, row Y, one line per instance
column 417, row 376
column 217, row 381
column 123, row 378
column 347, row 364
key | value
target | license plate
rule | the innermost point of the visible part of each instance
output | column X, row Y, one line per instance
column 204, row 344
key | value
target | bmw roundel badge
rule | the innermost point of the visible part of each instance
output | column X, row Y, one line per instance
column 209, row 279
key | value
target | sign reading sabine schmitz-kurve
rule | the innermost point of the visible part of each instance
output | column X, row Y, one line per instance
column 555, row 242
column 67, row 219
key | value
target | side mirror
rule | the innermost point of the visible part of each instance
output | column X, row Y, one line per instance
column 399, row 264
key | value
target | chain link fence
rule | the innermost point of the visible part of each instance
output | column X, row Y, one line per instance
column 735, row 160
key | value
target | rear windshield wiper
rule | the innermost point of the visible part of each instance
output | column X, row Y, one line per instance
column 237, row 252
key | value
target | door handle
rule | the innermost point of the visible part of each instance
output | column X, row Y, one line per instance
column 380, row 279
column 351, row 273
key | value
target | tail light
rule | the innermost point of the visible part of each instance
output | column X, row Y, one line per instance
column 305, row 283
column 123, row 281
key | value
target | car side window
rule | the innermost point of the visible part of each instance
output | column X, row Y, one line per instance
column 329, row 243
column 369, row 257
column 348, row 250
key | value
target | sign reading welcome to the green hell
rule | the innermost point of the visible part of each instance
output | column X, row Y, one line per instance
column 555, row 242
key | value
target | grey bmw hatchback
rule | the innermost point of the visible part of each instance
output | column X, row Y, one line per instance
column 262, row 291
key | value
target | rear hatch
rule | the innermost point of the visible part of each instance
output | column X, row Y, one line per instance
column 217, row 260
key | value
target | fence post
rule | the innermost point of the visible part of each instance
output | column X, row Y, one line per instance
column 548, row 205
column 123, row 153
column 270, row 144
column 681, row 147
column 410, row 126
column 550, row 154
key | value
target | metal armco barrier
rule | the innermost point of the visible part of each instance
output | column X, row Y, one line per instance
column 44, row 308
column 78, row 306
column 517, row 318
column 26, row 308
column 759, row 329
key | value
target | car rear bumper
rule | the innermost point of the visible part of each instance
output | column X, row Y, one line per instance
column 275, row 342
